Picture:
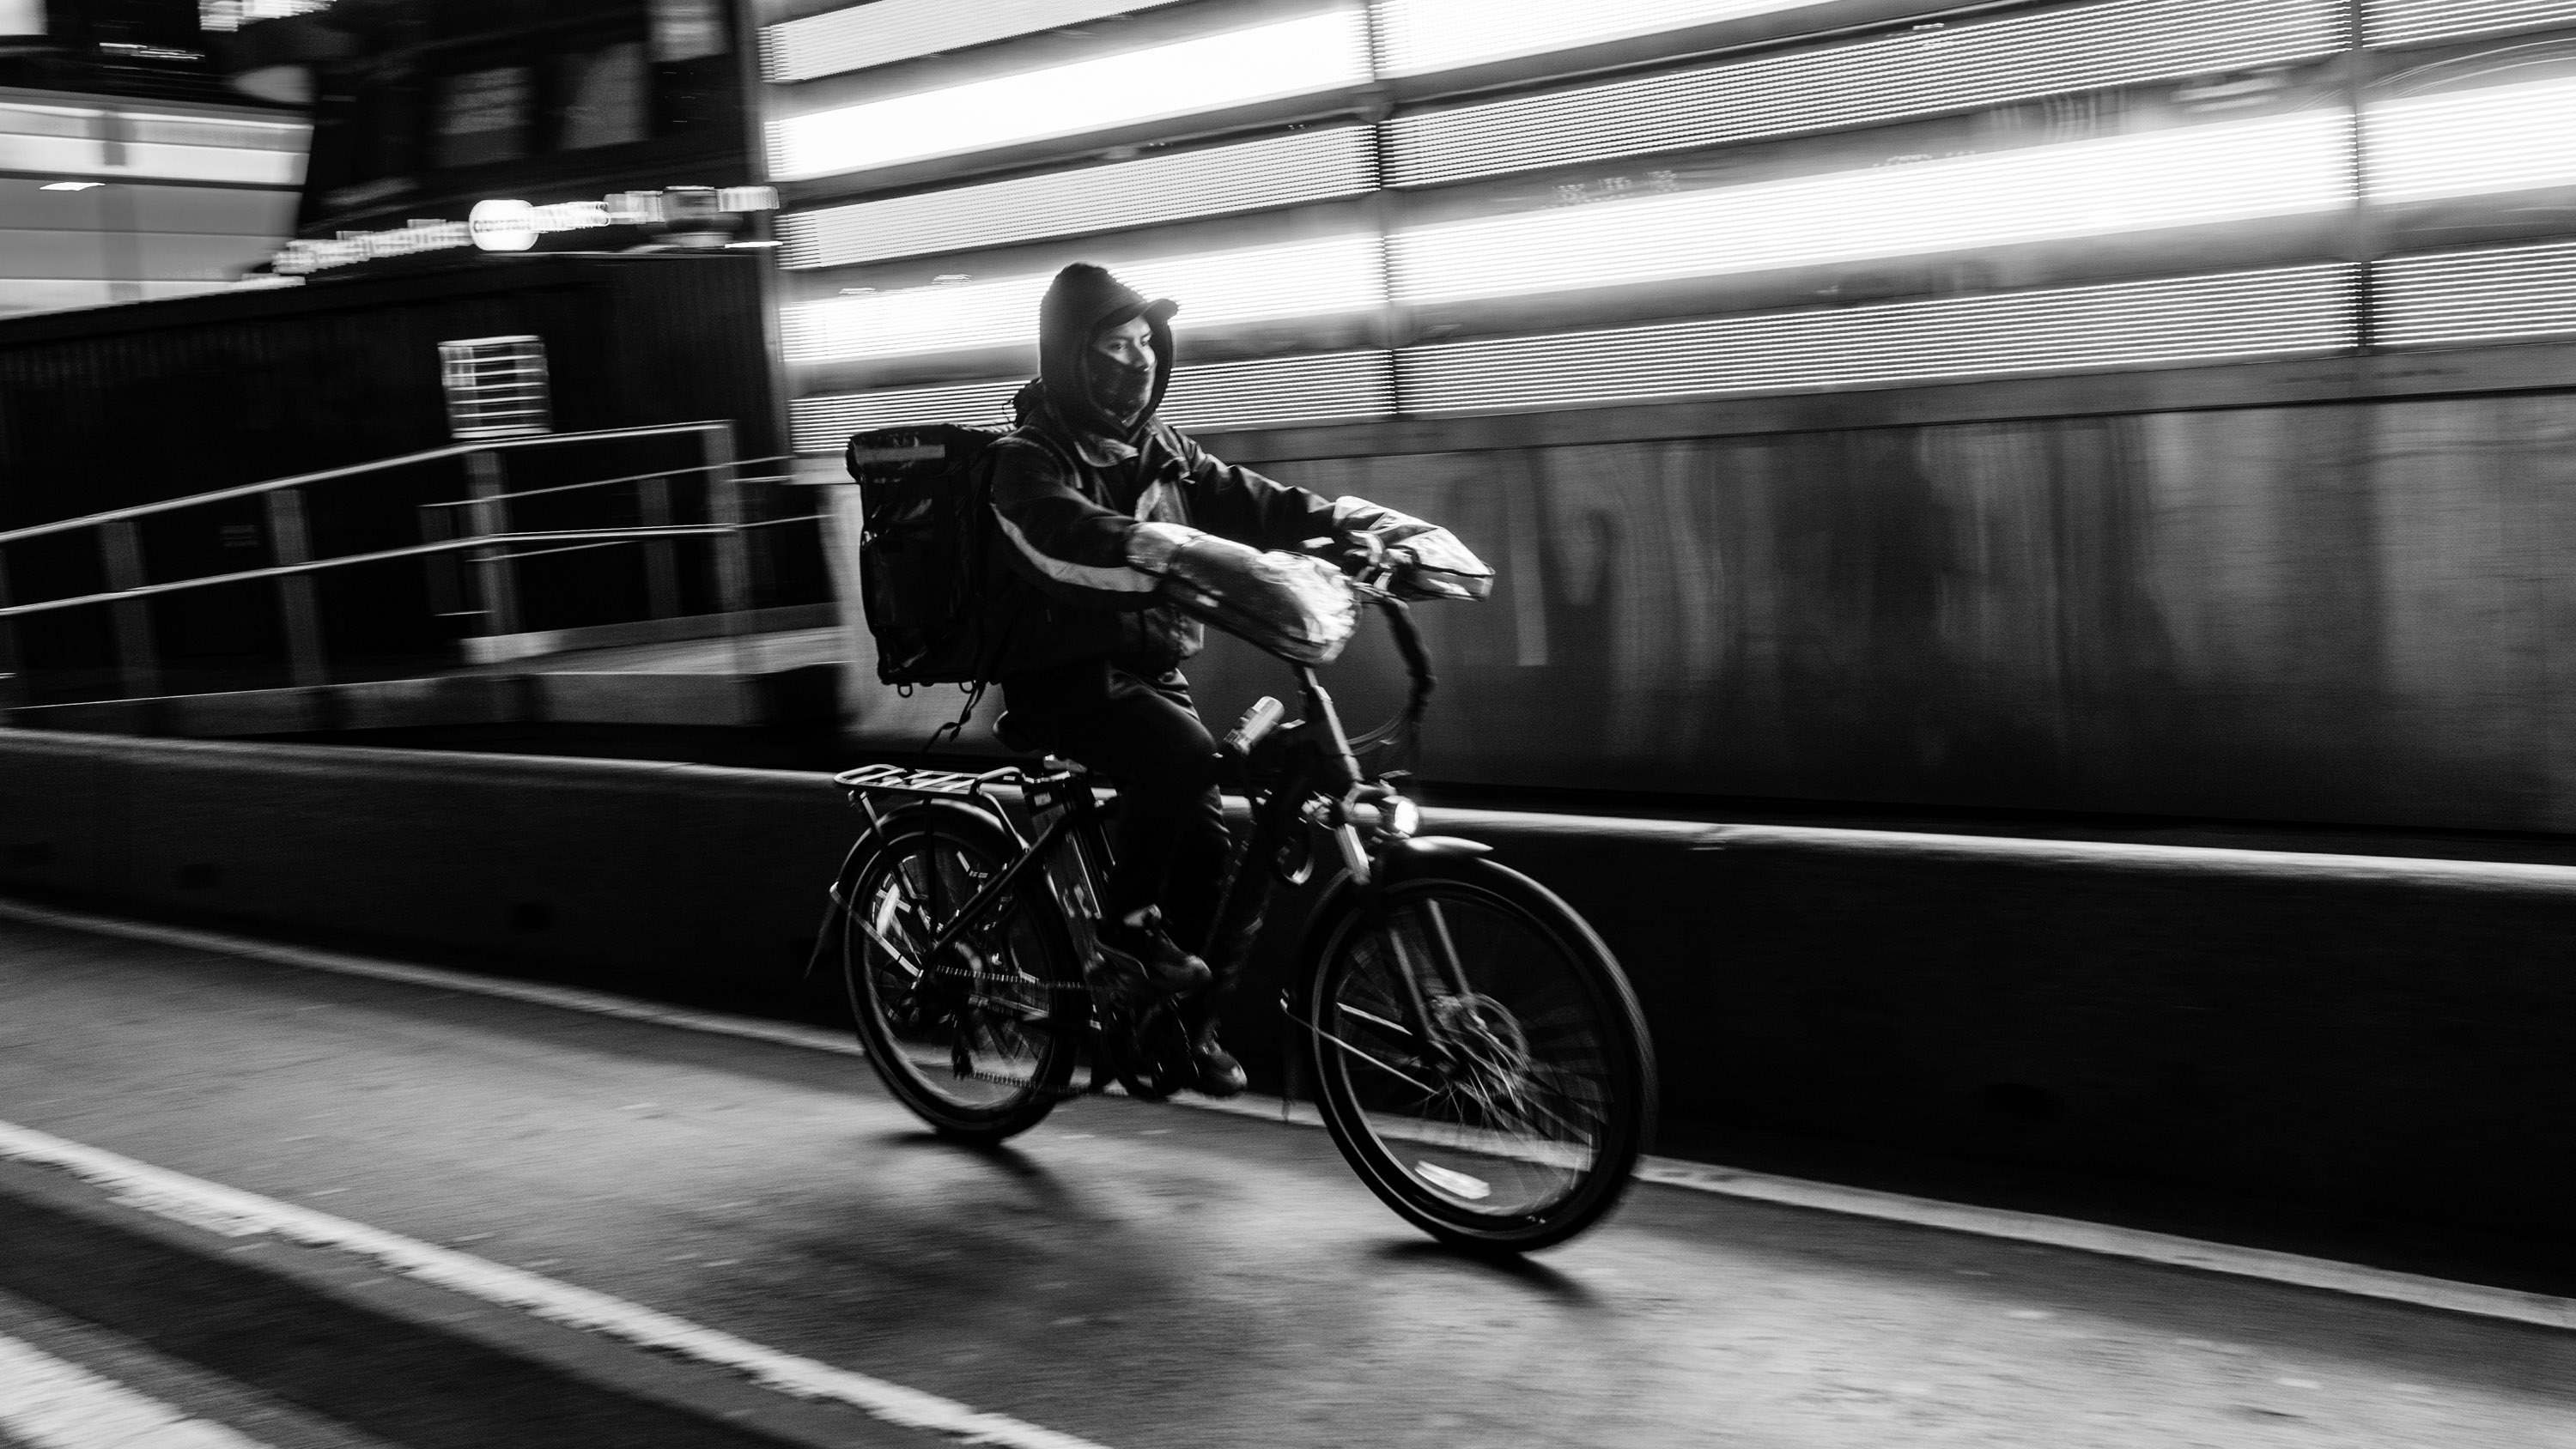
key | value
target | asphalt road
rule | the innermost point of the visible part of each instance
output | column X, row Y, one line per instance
column 1135, row 1276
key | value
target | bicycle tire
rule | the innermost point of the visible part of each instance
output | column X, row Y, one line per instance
column 1532, row 1134
column 981, row 1047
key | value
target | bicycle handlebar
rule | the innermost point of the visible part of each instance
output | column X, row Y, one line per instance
column 1417, row 668
column 1374, row 570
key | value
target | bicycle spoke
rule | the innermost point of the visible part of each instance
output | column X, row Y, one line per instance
column 965, row 1030
column 1483, row 1056
column 901, row 957
column 1374, row 1061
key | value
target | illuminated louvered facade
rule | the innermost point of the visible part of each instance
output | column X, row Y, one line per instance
column 1427, row 207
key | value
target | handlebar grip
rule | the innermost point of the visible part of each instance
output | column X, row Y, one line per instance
column 1257, row 722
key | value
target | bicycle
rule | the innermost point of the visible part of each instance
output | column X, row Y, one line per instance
column 1479, row 1058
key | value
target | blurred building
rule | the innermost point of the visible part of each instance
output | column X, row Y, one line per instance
column 128, row 169
column 421, row 108
column 1414, row 208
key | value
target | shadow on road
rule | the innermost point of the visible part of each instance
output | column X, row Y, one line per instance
column 1000, row 1154
column 1545, row 1279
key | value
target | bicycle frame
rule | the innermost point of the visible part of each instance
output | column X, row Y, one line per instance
column 1497, row 1099
column 1317, row 782
column 950, row 785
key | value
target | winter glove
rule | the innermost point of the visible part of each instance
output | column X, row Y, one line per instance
column 1296, row 607
column 1441, row 566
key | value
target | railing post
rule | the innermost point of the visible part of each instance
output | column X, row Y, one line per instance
column 661, row 566
column 13, row 688
column 138, row 665
column 725, row 507
column 495, row 579
column 446, row 594
column 289, row 543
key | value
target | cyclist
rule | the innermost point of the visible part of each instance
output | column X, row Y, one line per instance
column 1100, row 502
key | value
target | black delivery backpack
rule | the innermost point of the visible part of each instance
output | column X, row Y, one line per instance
column 925, row 495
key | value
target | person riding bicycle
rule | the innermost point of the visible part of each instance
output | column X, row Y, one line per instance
column 1101, row 505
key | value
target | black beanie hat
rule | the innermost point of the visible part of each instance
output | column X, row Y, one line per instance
column 1083, row 301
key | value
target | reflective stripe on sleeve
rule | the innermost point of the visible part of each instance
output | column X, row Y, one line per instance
column 1120, row 580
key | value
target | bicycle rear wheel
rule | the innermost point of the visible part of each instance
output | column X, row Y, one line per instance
column 1502, row 1105
column 980, row 1040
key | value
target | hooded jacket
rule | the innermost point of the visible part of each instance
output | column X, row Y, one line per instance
column 1071, row 488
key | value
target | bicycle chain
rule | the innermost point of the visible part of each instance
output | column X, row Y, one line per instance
column 988, row 981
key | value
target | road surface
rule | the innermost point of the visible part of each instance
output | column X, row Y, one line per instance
column 1130, row 1276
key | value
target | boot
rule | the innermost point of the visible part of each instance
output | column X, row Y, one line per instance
column 1138, row 958
column 1219, row 1074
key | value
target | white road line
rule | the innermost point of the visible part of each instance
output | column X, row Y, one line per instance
column 51, row 1404
column 234, row 1213
column 2161, row 1248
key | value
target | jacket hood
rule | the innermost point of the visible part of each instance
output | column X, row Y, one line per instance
column 1083, row 300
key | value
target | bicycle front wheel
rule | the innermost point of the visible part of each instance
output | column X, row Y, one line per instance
column 979, row 1039
column 1480, row 1059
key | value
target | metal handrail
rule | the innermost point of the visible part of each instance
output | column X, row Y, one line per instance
column 630, row 478
column 485, row 540
column 613, row 542
column 249, row 490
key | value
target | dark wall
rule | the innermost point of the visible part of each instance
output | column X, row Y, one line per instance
column 2350, row 612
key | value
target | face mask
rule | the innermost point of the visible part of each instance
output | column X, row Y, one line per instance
column 1120, row 389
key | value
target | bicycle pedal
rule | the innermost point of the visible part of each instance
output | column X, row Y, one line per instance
column 1117, row 977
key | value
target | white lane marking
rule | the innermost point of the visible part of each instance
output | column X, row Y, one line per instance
column 234, row 1213
column 2164, row 1249
column 2161, row 1248
column 51, row 1404
column 2113, row 1242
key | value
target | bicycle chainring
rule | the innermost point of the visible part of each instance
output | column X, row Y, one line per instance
column 1149, row 1049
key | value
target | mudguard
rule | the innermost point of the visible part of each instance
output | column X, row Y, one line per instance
column 1399, row 861
column 965, row 814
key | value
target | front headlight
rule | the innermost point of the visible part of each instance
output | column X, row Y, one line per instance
column 1399, row 817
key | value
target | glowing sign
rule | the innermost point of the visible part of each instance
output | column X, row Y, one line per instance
column 502, row 226
column 507, row 226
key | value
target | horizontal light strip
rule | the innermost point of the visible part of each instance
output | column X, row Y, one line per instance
column 892, row 30
column 1270, row 392
column 1428, row 35
column 74, row 156
column 2465, row 143
column 1278, row 171
column 823, row 424
column 218, row 131
column 2166, row 322
column 2501, row 294
column 1262, row 62
column 2414, row 22
column 153, row 126
column 1250, row 284
column 1909, row 73
column 2233, row 171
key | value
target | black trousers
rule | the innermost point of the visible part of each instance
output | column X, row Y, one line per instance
column 1142, row 731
